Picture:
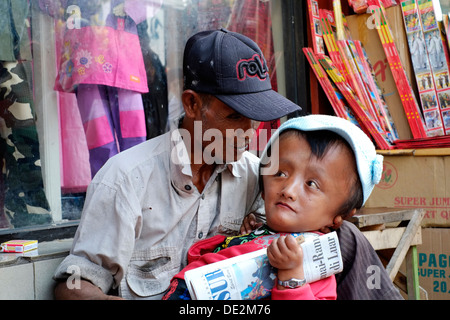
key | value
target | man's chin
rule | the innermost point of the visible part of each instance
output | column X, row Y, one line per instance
column 231, row 158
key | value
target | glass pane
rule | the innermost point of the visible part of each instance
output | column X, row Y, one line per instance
column 22, row 198
column 82, row 80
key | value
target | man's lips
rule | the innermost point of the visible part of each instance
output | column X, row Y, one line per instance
column 241, row 148
column 284, row 205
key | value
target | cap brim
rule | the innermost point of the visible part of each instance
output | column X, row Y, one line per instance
column 260, row 106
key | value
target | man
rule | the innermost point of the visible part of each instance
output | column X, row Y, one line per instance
column 149, row 204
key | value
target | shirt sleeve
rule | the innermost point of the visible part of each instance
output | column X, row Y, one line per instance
column 320, row 290
column 95, row 255
column 73, row 267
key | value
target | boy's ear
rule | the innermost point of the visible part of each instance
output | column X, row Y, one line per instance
column 338, row 220
column 352, row 213
column 192, row 103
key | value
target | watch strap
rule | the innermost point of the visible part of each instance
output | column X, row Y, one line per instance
column 292, row 283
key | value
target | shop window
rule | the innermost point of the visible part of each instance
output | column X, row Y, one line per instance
column 81, row 80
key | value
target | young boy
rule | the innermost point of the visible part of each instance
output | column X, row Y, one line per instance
column 316, row 171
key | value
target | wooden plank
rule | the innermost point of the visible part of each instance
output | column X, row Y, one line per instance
column 390, row 238
column 404, row 244
column 432, row 152
column 369, row 217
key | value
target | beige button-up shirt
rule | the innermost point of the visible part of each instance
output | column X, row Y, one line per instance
column 142, row 213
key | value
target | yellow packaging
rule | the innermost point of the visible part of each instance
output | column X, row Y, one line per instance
column 18, row 246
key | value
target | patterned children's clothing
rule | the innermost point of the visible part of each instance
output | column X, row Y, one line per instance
column 108, row 113
column 101, row 61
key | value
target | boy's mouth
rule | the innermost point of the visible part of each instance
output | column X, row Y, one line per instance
column 284, row 206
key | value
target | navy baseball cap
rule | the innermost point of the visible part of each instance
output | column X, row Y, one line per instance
column 231, row 67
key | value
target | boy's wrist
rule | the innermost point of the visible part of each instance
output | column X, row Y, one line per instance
column 288, row 274
column 284, row 274
column 292, row 283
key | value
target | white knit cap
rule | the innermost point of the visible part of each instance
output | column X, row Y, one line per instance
column 369, row 163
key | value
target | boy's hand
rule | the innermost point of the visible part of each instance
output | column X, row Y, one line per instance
column 286, row 255
column 249, row 224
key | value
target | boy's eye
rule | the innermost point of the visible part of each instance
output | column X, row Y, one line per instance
column 312, row 184
column 280, row 174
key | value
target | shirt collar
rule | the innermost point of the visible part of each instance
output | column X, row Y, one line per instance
column 180, row 161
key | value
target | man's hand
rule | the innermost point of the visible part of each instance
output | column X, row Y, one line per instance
column 286, row 255
column 87, row 291
column 249, row 224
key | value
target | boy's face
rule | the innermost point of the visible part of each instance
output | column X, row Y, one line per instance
column 306, row 192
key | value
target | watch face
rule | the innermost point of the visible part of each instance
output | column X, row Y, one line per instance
column 293, row 283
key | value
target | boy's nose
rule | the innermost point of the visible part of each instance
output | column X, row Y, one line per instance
column 291, row 190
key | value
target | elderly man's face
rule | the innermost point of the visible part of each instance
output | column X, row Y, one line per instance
column 226, row 133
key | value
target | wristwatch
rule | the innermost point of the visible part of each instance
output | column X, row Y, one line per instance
column 292, row 283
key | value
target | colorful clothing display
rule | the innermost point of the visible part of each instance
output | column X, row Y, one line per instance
column 108, row 55
column 109, row 113
column 103, row 51
column 99, row 49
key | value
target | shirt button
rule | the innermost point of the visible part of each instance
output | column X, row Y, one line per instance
column 200, row 235
column 203, row 196
column 187, row 187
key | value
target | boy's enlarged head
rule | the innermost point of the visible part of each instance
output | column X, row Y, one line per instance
column 315, row 179
column 325, row 169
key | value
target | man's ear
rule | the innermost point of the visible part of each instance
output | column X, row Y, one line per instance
column 192, row 103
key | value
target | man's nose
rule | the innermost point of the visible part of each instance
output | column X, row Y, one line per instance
column 246, row 129
column 246, row 124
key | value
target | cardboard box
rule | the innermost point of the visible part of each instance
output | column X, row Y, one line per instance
column 434, row 263
column 416, row 179
column 362, row 28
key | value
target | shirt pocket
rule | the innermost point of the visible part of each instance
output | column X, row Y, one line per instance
column 230, row 223
column 149, row 273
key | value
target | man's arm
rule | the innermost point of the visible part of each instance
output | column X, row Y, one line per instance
column 87, row 291
column 359, row 257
